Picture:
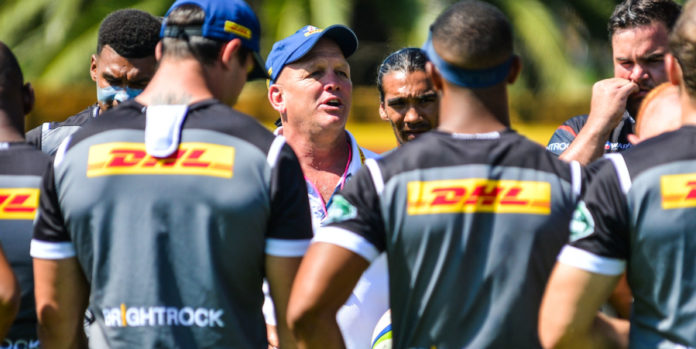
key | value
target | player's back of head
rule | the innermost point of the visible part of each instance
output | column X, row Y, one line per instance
column 659, row 112
column 682, row 44
column 634, row 13
column 10, row 72
column 131, row 33
column 11, row 87
column 203, row 49
column 472, row 34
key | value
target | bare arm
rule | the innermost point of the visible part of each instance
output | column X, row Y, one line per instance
column 9, row 296
column 607, row 107
column 280, row 273
column 621, row 298
column 326, row 279
column 61, row 292
column 568, row 317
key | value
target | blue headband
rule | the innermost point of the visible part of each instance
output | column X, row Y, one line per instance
column 478, row 78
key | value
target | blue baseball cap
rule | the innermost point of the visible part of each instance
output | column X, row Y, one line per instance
column 296, row 46
column 224, row 20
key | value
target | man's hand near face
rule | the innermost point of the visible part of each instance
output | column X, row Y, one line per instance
column 608, row 104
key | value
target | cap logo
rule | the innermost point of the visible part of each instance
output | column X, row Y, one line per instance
column 312, row 30
column 238, row 29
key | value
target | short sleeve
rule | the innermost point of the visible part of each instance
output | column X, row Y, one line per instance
column 290, row 227
column 561, row 138
column 600, row 228
column 355, row 220
column 33, row 136
column 51, row 239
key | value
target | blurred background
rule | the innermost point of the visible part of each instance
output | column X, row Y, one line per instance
column 563, row 44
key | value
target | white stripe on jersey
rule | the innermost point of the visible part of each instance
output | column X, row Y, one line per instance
column 376, row 175
column 621, row 170
column 274, row 151
column 348, row 240
column 576, row 178
column 51, row 250
column 286, row 248
column 60, row 153
column 591, row 262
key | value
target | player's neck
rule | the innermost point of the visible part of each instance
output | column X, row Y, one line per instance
column 325, row 152
column 177, row 81
column 8, row 133
column 474, row 111
column 688, row 109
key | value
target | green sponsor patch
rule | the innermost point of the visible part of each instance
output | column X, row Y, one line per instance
column 340, row 210
column 582, row 224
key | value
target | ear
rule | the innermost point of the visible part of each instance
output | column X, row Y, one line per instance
column 158, row 51
column 277, row 99
column 383, row 112
column 515, row 69
column 229, row 51
column 93, row 67
column 434, row 76
column 28, row 98
column 634, row 139
column 673, row 69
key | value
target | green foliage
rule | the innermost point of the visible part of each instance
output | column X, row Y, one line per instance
column 563, row 43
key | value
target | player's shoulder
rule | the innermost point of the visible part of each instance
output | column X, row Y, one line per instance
column 22, row 159
column 216, row 116
column 572, row 125
column 666, row 148
column 210, row 115
column 36, row 135
column 577, row 121
column 504, row 149
column 80, row 118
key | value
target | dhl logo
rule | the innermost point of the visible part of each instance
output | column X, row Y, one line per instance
column 18, row 203
column 236, row 28
column 202, row 159
column 678, row 191
column 482, row 195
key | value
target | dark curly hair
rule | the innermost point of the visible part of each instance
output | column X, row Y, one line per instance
column 131, row 33
column 634, row 13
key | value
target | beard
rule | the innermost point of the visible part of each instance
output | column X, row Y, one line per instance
column 633, row 104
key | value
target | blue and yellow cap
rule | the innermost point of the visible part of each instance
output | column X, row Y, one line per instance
column 296, row 46
column 224, row 20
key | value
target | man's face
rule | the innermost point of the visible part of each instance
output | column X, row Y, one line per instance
column 109, row 69
column 639, row 56
column 317, row 89
column 410, row 104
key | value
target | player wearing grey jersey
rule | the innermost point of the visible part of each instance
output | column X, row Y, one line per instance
column 174, row 213
column 467, row 214
column 21, row 168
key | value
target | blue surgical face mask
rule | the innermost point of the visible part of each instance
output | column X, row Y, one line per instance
column 120, row 94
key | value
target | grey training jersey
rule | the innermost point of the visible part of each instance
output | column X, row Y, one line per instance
column 639, row 215
column 174, row 248
column 48, row 136
column 21, row 168
column 471, row 224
